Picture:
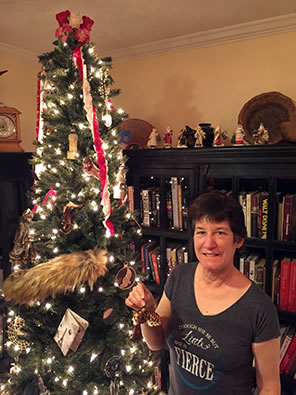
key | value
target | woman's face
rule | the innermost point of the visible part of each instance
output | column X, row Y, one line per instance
column 215, row 244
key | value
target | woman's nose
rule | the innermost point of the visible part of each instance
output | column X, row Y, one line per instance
column 210, row 242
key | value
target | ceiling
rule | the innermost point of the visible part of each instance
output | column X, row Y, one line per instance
column 122, row 27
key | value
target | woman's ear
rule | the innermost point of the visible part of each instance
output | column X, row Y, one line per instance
column 239, row 241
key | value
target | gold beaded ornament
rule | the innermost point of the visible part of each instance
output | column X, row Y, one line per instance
column 143, row 316
column 16, row 335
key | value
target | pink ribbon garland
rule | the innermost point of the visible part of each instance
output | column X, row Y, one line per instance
column 101, row 159
column 51, row 192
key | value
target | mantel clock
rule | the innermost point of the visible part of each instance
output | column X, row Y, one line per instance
column 10, row 135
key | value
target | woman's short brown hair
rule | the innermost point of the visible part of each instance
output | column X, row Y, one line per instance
column 217, row 206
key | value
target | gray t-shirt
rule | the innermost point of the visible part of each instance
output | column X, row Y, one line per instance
column 212, row 354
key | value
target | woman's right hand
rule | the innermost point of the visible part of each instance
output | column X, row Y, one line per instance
column 141, row 297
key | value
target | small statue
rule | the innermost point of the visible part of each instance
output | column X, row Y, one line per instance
column 200, row 136
column 238, row 136
column 23, row 252
column 264, row 135
column 153, row 139
column 168, row 136
column 219, row 134
column 189, row 135
column 182, row 139
column 255, row 140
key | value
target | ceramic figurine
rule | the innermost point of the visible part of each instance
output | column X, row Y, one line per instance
column 238, row 136
column 219, row 135
column 263, row 133
column 168, row 136
column 182, row 139
column 199, row 135
column 153, row 139
column 190, row 136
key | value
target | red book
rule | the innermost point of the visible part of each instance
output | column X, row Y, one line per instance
column 292, row 287
column 284, row 283
column 287, row 216
column 291, row 350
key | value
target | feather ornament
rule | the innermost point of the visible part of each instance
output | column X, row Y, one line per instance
column 59, row 275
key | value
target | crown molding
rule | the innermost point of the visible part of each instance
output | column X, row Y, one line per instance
column 211, row 37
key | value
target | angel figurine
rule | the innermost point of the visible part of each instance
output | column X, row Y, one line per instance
column 199, row 135
column 219, row 134
column 263, row 133
column 168, row 136
column 153, row 139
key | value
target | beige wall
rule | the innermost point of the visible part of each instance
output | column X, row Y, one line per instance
column 200, row 85
column 206, row 84
column 18, row 89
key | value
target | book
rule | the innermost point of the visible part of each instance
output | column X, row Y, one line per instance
column 252, row 263
column 292, row 287
column 155, row 266
column 263, row 215
column 286, row 339
column 290, row 366
column 247, row 265
column 260, row 273
column 175, row 202
column 288, row 355
column 146, row 207
column 169, row 209
column 254, row 214
column 248, row 211
column 147, row 262
column 242, row 197
column 130, row 198
column 284, row 283
column 180, row 214
column 280, row 209
column 242, row 262
column 274, row 285
column 287, row 216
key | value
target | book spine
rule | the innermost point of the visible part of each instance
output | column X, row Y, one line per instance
column 284, row 283
column 175, row 205
column 291, row 350
column 146, row 207
column 130, row 197
column 292, row 288
column 263, row 202
column 287, row 211
column 180, row 214
column 254, row 214
column 169, row 209
column 155, row 266
column 286, row 343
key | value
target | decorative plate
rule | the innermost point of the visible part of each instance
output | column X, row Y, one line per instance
column 276, row 111
column 135, row 133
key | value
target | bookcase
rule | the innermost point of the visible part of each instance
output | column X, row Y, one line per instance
column 237, row 170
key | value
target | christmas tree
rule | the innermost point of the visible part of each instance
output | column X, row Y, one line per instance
column 69, row 331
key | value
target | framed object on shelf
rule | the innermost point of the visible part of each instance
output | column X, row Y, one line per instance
column 10, row 134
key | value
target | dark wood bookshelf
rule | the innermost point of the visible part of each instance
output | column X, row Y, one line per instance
column 271, row 168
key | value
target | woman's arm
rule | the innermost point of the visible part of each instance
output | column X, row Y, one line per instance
column 267, row 358
column 140, row 297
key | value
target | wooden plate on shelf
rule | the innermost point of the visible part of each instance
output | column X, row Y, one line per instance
column 276, row 111
column 138, row 132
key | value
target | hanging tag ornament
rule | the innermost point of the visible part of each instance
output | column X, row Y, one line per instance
column 73, row 140
column 112, row 370
column 126, row 277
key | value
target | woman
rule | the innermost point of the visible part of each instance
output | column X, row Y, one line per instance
column 214, row 319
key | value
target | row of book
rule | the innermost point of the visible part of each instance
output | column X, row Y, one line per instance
column 176, row 201
column 255, row 208
column 288, row 350
column 177, row 204
column 253, row 266
column 176, row 254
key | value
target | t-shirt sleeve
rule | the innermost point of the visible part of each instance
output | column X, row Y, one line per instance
column 267, row 322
